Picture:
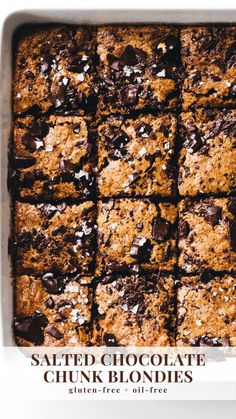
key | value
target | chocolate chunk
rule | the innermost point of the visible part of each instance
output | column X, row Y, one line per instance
column 116, row 135
column 31, row 328
column 46, row 62
column 207, row 42
column 40, row 318
column 229, row 56
column 60, row 95
column 66, row 166
column 48, row 210
column 49, row 303
column 116, row 141
column 142, row 129
column 194, row 140
column 140, row 249
column 116, row 65
column 107, row 279
column 171, row 55
column 59, row 230
column 213, row 215
column 128, row 56
column 110, row 340
column 39, row 129
column 72, row 46
column 76, row 128
column 160, row 229
column 232, row 233
column 76, row 64
column 63, row 303
column 53, row 285
column 28, row 74
column 22, row 162
column 232, row 206
column 54, row 332
column 184, row 230
column 32, row 143
column 139, row 227
column 206, row 341
column 129, row 95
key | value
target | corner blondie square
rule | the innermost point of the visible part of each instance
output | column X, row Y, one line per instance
column 138, row 68
column 54, row 69
column 209, row 59
column 206, row 310
column 207, row 235
column 207, row 162
column 52, row 158
column 52, row 310
column 136, row 157
column 54, row 238
column 136, row 234
column 134, row 310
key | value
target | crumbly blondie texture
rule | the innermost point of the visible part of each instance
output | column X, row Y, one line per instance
column 134, row 235
column 207, row 235
column 207, row 311
column 136, row 157
column 54, row 238
column 208, row 155
column 122, row 175
column 52, row 310
column 138, row 68
column 134, row 311
column 52, row 158
column 54, row 69
column 208, row 55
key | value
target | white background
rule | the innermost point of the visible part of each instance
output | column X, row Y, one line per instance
column 123, row 409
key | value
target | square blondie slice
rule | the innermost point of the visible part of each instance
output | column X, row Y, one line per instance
column 207, row 235
column 54, row 238
column 52, row 310
column 206, row 311
column 207, row 162
column 138, row 68
column 136, row 157
column 134, row 311
column 54, row 69
column 208, row 55
column 52, row 158
column 134, row 235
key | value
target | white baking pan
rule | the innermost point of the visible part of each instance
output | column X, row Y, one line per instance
column 78, row 16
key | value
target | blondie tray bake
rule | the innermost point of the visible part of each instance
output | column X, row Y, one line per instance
column 122, row 172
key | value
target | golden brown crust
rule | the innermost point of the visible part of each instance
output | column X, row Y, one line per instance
column 208, row 55
column 136, row 157
column 57, row 238
column 64, row 305
column 208, row 155
column 207, row 235
column 134, row 234
column 135, row 311
column 138, row 68
column 207, row 311
column 54, row 68
column 52, row 158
